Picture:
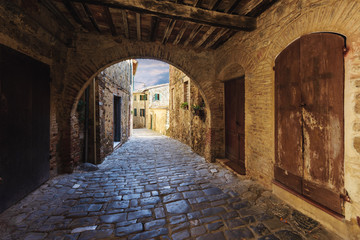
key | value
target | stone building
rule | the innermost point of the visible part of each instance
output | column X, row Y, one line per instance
column 188, row 113
column 139, row 109
column 105, row 106
column 222, row 46
column 151, row 108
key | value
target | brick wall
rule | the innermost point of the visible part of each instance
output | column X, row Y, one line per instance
column 254, row 53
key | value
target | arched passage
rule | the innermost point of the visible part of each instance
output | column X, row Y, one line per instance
column 84, row 65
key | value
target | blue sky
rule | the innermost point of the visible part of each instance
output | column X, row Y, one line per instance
column 151, row 72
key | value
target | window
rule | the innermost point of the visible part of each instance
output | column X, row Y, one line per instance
column 135, row 112
column 134, row 97
column 143, row 97
column 142, row 112
column 186, row 93
column 157, row 96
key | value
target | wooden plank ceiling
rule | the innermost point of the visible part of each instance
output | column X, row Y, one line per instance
column 201, row 24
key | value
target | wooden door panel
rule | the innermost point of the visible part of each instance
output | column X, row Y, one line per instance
column 235, row 124
column 24, row 125
column 230, row 119
column 322, row 71
column 309, row 118
column 289, row 163
column 324, row 196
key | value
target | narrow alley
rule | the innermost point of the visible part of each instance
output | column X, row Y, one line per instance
column 154, row 187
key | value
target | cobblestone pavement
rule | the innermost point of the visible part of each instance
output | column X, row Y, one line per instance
column 154, row 187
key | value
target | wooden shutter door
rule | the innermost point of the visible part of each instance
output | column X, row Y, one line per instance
column 322, row 70
column 289, row 162
column 309, row 77
column 235, row 124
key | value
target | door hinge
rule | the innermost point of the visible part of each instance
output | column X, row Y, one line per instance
column 345, row 197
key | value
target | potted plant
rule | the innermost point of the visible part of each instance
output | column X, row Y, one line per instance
column 198, row 110
column 185, row 105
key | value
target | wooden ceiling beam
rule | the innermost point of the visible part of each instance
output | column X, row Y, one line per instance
column 154, row 28
column 221, row 33
column 168, row 31
column 74, row 13
column 138, row 26
column 248, row 5
column 125, row 24
column 262, row 7
column 91, row 17
column 216, row 4
column 57, row 13
column 233, row 6
column 180, row 12
column 197, row 3
column 110, row 21
column 178, row 38
column 193, row 33
column 205, row 36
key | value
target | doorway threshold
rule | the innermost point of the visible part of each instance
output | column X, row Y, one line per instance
column 232, row 166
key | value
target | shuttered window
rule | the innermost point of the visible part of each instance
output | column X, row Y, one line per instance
column 157, row 96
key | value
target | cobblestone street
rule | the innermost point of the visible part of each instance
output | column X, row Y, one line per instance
column 154, row 187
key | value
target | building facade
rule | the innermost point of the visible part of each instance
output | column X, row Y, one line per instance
column 189, row 120
column 105, row 107
column 151, row 108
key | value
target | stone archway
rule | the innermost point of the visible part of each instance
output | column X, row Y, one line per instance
column 86, row 62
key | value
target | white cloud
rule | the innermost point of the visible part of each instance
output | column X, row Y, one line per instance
column 151, row 72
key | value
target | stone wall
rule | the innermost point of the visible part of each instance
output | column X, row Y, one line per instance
column 185, row 125
column 253, row 54
column 159, row 120
column 112, row 81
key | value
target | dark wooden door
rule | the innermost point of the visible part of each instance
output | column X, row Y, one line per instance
column 310, row 160
column 235, row 124
column 117, row 119
column 24, row 125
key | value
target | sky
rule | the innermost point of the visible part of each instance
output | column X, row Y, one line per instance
column 151, row 72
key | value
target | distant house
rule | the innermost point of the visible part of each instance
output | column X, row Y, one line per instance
column 151, row 108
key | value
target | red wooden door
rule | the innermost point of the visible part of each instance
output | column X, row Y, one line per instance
column 235, row 124
column 310, row 118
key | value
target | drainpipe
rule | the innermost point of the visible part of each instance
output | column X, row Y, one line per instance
column 94, row 88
